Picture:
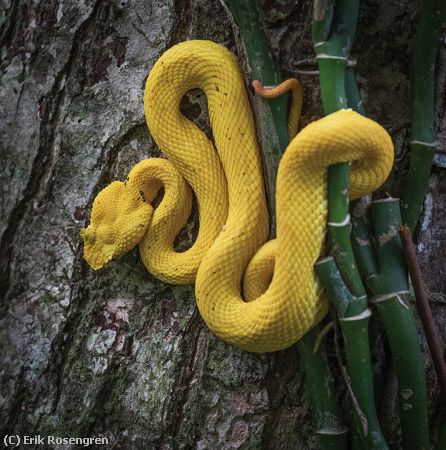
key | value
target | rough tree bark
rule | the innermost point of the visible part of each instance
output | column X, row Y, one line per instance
column 116, row 352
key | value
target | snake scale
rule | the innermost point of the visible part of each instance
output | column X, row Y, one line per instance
column 282, row 298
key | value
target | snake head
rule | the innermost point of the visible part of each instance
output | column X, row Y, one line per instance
column 119, row 220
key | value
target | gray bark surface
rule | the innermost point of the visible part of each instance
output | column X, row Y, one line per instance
column 115, row 352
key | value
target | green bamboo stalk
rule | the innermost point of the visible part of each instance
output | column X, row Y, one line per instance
column 354, row 318
column 332, row 33
column 339, row 227
column 408, row 365
column 351, row 306
column 271, row 114
column 424, row 134
column 331, row 432
column 354, row 99
column 386, row 219
column 386, row 275
column 273, row 130
column 362, row 238
column 390, row 296
column 361, row 235
column 398, row 321
column 332, row 50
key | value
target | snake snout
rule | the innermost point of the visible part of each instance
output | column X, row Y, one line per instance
column 119, row 221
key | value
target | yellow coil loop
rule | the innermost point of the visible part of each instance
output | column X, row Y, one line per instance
column 227, row 182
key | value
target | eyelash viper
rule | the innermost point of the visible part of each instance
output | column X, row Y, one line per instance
column 282, row 297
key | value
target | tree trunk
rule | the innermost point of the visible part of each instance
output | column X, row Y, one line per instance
column 117, row 353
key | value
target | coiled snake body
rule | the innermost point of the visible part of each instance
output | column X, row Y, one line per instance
column 274, row 312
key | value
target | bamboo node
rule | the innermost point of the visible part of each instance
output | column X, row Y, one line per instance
column 326, row 56
column 399, row 296
column 343, row 223
column 363, row 315
column 425, row 144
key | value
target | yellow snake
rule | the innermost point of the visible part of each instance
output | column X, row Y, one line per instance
column 282, row 297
